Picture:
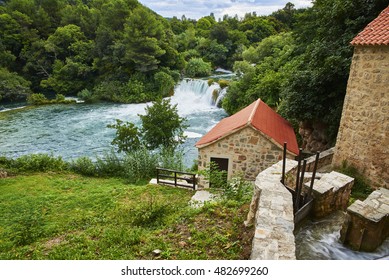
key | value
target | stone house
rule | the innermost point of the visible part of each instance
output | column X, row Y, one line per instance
column 363, row 137
column 247, row 142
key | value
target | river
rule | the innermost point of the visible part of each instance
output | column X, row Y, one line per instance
column 81, row 129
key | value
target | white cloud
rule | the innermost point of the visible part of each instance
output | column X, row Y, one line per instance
column 198, row 8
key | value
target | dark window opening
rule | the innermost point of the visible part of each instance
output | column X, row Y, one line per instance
column 218, row 172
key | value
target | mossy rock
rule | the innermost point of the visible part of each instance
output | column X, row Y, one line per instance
column 223, row 83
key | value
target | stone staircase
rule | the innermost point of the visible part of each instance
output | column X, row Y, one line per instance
column 367, row 223
column 331, row 192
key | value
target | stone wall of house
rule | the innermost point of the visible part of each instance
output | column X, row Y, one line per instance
column 363, row 137
column 249, row 152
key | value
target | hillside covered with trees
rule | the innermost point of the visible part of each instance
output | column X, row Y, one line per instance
column 296, row 60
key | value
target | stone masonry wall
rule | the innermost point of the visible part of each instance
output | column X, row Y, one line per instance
column 363, row 137
column 249, row 152
column 271, row 211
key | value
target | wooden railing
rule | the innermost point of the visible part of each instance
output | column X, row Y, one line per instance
column 175, row 178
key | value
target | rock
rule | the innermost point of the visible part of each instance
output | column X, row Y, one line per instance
column 3, row 173
column 157, row 252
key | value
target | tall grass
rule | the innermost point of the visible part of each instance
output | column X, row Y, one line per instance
column 35, row 163
column 140, row 164
column 134, row 166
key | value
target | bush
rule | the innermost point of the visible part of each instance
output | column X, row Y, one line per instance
column 196, row 67
column 216, row 178
column 110, row 165
column 87, row 96
column 127, row 136
column 27, row 226
column 164, row 84
column 171, row 159
column 238, row 189
column 140, row 165
column 151, row 214
column 84, row 166
column 40, row 99
column 223, row 83
column 37, row 99
column 38, row 163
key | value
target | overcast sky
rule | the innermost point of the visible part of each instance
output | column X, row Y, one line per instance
column 196, row 9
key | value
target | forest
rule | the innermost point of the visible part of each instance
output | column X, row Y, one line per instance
column 296, row 60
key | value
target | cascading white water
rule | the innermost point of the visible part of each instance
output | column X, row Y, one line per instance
column 221, row 95
column 193, row 96
column 320, row 239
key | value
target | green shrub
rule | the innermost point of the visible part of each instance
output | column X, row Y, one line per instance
column 216, row 178
column 238, row 189
column 87, row 96
column 171, row 159
column 223, row 83
column 196, row 67
column 127, row 136
column 39, row 163
column 164, row 84
column 150, row 214
column 110, row 165
column 27, row 225
column 84, row 166
column 140, row 165
column 37, row 99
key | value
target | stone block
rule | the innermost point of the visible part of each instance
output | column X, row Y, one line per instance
column 367, row 225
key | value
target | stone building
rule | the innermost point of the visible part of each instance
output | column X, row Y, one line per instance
column 247, row 142
column 363, row 137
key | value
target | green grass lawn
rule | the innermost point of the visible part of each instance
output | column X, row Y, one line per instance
column 68, row 216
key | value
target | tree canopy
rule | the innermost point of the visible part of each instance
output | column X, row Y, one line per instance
column 118, row 50
column 303, row 74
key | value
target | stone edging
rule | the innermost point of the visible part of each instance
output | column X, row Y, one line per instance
column 271, row 211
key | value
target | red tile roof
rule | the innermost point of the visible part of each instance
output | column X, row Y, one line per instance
column 259, row 116
column 375, row 33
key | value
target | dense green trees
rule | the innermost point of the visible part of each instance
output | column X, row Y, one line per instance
column 118, row 50
column 303, row 74
column 315, row 88
column 296, row 60
column 12, row 86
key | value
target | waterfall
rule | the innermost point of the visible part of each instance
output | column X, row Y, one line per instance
column 221, row 95
column 194, row 95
